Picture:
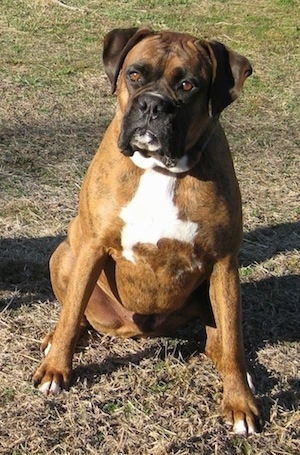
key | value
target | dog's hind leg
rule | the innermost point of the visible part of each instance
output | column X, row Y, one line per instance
column 61, row 265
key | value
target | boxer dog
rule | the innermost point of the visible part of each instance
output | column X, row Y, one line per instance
column 159, row 225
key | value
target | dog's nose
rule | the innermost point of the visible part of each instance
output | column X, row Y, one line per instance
column 154, row 105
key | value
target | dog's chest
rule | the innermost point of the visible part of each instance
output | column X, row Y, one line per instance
column 152, row 215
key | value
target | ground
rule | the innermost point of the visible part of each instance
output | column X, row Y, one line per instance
column 154, row 396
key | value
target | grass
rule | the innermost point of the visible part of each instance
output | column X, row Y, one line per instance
column 154, row 396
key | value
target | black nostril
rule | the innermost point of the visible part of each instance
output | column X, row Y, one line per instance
column 156, row 110
column 143, row 106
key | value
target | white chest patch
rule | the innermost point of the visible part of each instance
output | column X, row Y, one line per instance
column 152, row 215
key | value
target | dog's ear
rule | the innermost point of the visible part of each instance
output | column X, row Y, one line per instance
column 117, row 44
column 229, row 72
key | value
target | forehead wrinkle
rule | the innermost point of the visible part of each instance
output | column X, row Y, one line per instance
column 167, row 53
column 159, row 47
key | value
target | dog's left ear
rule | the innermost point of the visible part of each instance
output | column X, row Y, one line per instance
column 229, row 72
column 117, row 44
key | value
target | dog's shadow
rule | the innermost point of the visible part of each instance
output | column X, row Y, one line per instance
column 270, row 306
column 24, row 271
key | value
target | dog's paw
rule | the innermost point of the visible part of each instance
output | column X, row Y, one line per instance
column 51, row 381
column 50, row 388
column 245, row 425
column 241, row 411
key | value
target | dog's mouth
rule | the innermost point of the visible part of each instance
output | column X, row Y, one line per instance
column 148, row 145
column 145, row 142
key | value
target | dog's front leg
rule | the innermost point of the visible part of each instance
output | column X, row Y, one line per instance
column 55, row 371
column 225, row 347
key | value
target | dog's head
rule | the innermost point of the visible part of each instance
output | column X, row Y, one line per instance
column 169, row 87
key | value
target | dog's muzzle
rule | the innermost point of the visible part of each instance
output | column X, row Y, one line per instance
column 150, row 127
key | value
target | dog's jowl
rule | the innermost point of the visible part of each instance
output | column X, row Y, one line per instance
column 159, row 224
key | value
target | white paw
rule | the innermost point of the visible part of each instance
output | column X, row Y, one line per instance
column 50, row 388
column 240, row 428
column 250, row 382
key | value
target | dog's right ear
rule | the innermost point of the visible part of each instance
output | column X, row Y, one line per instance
column 117, row 44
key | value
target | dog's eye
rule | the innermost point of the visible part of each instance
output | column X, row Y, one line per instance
column 187, row 86
column 134, row 76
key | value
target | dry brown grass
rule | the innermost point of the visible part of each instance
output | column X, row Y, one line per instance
column 154, row 396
